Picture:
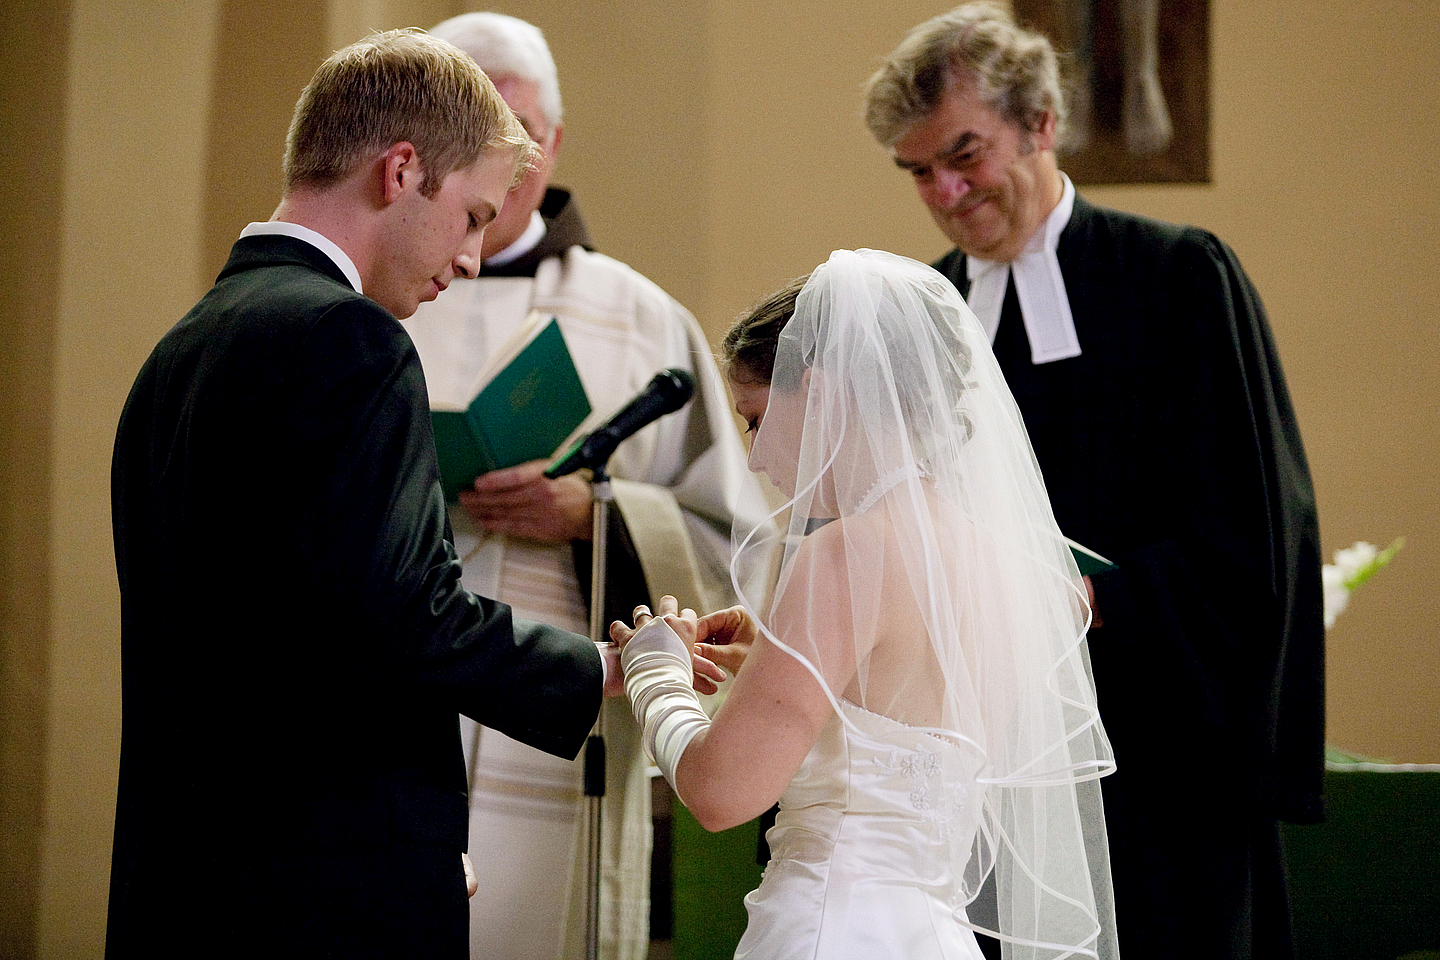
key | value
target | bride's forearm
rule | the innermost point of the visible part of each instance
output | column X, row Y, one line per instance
column 657, row 681
column 712, row 776
column 729, row 770
column 718, row 792
column 738, row 766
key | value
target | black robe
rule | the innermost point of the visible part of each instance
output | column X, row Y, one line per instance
column 1170, row 446
column 296, row 644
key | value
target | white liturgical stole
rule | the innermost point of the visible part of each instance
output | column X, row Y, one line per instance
column 1044, row 306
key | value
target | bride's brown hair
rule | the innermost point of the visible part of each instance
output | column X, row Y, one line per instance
column 748, row 350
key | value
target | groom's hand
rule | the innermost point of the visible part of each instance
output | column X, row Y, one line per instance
column 614, row 672
column 472, row 883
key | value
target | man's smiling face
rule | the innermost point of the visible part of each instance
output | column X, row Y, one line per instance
column 988, row 183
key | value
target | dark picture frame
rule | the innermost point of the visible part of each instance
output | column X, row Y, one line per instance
column 1125, row 142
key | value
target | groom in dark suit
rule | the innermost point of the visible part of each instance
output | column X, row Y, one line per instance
column 1142, row 362
column 295, row 640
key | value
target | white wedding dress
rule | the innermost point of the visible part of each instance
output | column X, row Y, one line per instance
column 922, row 577
column 862, row 848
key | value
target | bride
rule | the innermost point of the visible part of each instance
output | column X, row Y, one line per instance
column 917, row 695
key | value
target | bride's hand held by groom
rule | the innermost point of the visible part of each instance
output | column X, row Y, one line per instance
column 717, row 640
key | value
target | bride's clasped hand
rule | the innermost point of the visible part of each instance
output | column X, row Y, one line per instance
column 719, row 639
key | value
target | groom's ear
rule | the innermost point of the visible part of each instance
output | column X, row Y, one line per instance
column 400, row 171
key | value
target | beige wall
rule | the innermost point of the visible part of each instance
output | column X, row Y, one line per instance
column 1322, row 162
column 717, row 147
column 31, row 100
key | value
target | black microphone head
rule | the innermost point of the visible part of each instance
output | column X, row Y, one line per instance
column 679, row 387
column 667, row 391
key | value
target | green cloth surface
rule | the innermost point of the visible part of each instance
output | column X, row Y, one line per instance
column 1365, row 884
column 713, row 872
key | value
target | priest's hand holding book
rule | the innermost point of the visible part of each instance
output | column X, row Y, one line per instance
column 522, row 502
column 492, row 438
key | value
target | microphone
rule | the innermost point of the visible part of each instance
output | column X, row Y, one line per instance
column 668, row 391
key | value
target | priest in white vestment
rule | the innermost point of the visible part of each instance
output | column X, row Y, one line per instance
column 525, row 540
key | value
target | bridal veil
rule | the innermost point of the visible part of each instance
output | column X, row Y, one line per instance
column 890, row 426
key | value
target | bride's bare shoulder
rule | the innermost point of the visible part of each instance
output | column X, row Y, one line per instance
column 827, row 558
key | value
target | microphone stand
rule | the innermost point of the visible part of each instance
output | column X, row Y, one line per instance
column 668, row 391
column 594, row 778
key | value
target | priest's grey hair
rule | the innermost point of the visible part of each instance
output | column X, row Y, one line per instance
column 1013, row 71
column 504, row 45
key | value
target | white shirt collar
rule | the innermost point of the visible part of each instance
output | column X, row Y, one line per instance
column 317, row 240
column 1039, row 286
column 523, row 244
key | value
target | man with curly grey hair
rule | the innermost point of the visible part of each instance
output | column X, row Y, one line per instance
column 1142, row 361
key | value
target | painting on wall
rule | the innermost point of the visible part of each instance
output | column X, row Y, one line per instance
column 1138, row 78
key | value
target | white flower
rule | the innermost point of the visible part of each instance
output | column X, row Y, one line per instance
column 1355, row 558
column 1353, row 566
column 1336, row 596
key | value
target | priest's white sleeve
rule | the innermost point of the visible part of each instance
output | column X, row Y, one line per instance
column 658, row 682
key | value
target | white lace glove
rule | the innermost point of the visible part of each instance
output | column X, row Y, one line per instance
column 657, row 681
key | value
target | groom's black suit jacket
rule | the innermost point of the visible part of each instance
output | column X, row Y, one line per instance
column 296, row 644
column 1170, row 446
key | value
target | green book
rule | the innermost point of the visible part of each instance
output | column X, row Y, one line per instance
column 525, row 405
column 1089, row 562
